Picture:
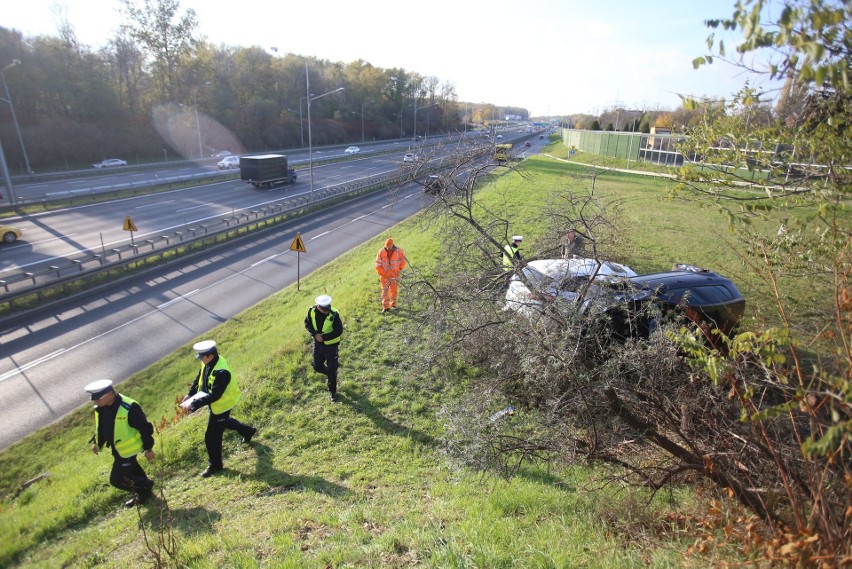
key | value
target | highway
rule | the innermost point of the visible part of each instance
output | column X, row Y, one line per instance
column 47, row 237
column 46, row 361
column 29, row 189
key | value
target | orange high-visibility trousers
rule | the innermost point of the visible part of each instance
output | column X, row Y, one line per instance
column 390, row 290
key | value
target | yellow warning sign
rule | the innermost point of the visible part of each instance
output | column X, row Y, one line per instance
column 128, row 224
column 298, row 244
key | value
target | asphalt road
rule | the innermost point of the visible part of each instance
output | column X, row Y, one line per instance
column 48, row 237
column 52, row 186
column 46, row 360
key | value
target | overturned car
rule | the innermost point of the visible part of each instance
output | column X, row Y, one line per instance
column 635, row 304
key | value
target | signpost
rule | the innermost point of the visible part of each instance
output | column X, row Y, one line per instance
column 299, row 247
column 131, row 227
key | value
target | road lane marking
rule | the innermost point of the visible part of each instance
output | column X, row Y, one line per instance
column 158, row 309
column 177, row 299
column 25, row 367
column 271, row 257
column 154, row 204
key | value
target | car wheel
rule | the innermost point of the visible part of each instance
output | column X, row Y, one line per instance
column 9, row 237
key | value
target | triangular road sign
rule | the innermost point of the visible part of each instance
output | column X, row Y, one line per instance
column 128, row 224
column 298, row 244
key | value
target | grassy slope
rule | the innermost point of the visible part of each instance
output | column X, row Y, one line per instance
column 361, row 483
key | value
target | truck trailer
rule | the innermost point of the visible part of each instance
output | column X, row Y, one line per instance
column 266, row 171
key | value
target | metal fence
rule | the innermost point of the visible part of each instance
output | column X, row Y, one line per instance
column 68, row 275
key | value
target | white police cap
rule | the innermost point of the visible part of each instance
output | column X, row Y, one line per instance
column 99, row 388
column 204, row 348
column 323, row 300
column 518, row 238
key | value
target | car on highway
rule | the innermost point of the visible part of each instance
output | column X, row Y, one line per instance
column 352, row 150
column 9, row 233
column 528, row 144
column 433, row 185
column 499, row 137
column 229, row 162
column 409, row 157
column 110, row 163
column 221, row 154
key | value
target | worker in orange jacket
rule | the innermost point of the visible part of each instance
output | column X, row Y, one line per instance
column 390, row 262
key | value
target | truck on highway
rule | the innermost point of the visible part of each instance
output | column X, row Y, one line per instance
column 266, row 170
column 501, row 152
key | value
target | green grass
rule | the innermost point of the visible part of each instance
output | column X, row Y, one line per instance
column 363, row 483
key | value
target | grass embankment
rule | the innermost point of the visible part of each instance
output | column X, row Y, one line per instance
column 360, row 483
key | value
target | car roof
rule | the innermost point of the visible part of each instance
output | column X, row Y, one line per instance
column 581, row 267
column 703, row 286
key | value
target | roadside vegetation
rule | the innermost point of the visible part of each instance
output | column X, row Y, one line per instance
column 367, row 482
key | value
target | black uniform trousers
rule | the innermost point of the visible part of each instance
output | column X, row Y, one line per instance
column 128, row 475
column 216, row 425
column 326, row 362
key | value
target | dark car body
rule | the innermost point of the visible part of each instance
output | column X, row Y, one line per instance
column 709, row 299
column 635, row 306
column 433, row 185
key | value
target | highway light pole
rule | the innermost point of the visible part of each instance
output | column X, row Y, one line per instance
column 197, row 122
column 310, row 99
column 363, row 139
column 8, row 99
column 7, row 180
column 301, row 128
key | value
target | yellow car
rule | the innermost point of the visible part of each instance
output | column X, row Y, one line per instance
column 9, row 233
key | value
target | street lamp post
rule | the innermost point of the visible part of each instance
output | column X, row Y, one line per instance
column 301, row 123
column 428, row 116
column 7, row 180
column 12, row 109
column 414, row 134
column 310, row 99
column 197, row 122
column 363, row 138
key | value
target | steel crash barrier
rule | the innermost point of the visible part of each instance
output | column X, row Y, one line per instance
column 73, row 274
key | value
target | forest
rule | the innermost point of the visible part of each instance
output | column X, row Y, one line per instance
column 155, row 91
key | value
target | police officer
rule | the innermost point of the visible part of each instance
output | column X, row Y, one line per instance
column 511, row 253
column 215, row 386
column 324, row 325
column 121, row 424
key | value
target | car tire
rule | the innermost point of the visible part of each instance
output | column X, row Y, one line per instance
column 9, row 237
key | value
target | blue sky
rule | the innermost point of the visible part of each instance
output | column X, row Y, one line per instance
column 549, row 56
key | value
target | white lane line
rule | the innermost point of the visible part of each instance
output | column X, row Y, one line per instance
column 57, row 353
column 263, row 261
column 208, row 204
column 177, row 299
column 33, row 363
column 154, row 204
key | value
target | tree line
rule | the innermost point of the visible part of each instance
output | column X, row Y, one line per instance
column 75, row 105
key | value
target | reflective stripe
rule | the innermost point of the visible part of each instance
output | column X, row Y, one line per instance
column 392, row 262
column 232, row 393
column 327, row 326
column 508, row 255
column 127, row 441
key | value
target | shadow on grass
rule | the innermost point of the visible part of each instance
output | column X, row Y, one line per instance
column 187, row 520
column 281, row 482
column 360, row 403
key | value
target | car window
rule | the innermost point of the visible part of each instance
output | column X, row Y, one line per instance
column 699, row 295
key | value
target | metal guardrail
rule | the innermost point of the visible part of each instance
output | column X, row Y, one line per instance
column 78, row 272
